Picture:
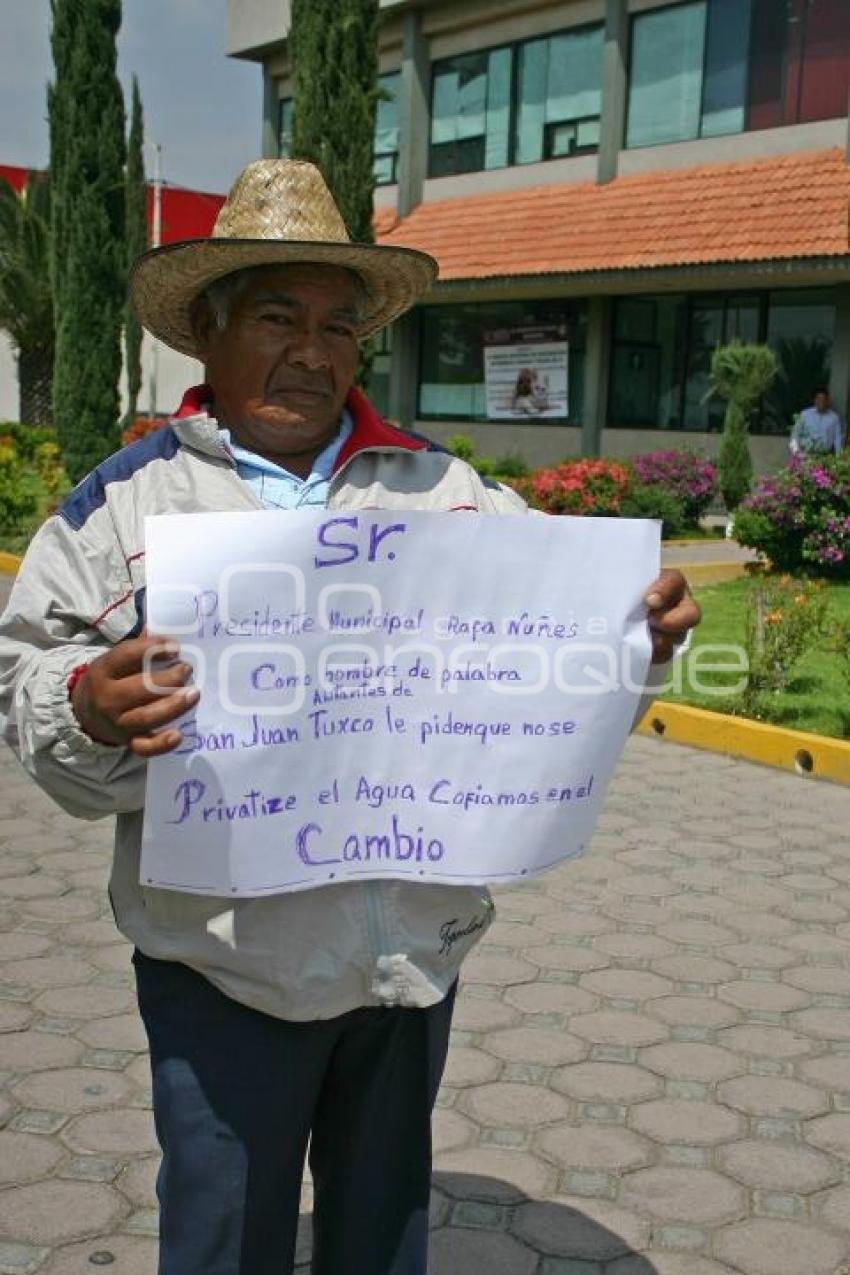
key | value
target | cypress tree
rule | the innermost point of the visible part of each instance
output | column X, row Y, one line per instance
column 86, row 110
column 740, row 373
column 734, row 462
column 334, row 55
column 333, row 51
column 137, row 240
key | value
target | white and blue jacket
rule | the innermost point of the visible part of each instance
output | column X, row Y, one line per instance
column 81, row 589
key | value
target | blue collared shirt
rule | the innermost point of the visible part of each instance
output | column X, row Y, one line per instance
column 275, row 486
column 818, row 431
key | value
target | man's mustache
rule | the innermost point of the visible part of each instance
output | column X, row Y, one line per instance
column 310, row 385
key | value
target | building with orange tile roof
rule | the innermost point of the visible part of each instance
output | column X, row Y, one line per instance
column 611, row 188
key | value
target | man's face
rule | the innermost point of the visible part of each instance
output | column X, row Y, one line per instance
column 822, row 402
column 282, row 367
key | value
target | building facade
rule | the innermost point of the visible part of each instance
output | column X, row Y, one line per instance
column 611, row 188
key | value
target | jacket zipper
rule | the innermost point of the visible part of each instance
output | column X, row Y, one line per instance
column 371, row 891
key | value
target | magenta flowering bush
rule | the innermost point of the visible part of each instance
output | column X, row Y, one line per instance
column 686, row 476
column 800, row 518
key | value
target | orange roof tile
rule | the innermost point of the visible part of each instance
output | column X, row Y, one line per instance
column 383, row 219
column 784, row 207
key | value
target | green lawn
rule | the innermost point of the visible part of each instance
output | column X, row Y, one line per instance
column 818, row 695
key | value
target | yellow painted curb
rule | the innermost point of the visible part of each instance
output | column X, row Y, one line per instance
column 9, row 563
column 693, row 540
column 793, row 750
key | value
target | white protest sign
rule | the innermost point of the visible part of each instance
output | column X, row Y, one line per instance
column 424, row 696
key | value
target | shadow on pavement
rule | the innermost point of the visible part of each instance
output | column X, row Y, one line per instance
column 489, row 1226
column 486, row 1226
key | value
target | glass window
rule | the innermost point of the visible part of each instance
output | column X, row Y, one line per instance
column 688, row 72
column 724, row 89
column 646, row 361
column 800, row 329
column 713, row 321
column 719, row 66
column 480, row 120
column 800, row 61
column 662, row 348
column 498, row 111
column 452, row 355
column 705, row 332
column 742, row 321
column 825, row 71
column 559, row 97
column 767, row 63
column 379, row 374
column 531, row 109
column 284, row 133
column 470, row 111
column 386, row 129
column 665, row 88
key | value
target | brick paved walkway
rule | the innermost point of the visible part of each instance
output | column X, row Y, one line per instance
column 650, row 1070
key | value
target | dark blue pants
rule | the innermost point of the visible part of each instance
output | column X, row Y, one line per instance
column 236, row 1096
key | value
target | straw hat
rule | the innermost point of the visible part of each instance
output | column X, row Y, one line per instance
column 279, row 212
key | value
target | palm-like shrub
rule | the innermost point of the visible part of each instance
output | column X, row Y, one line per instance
column 26, row 297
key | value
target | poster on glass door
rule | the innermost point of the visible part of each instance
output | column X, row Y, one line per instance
column 526, row 373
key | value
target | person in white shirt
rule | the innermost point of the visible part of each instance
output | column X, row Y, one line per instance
column 819, row 428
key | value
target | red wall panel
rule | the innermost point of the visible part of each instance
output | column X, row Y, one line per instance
column 825, row 79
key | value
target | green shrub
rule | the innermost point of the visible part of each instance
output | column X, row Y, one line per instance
column 650, row 500
column 26, row 439
column 32, row 480
column 55, row 483
column 785, row 619
column 839, row 643
column 20, row 492
column 462, row 446
column 511, row 465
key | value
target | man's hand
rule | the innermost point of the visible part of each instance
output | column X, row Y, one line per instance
column 126, row 696
column 672, row 614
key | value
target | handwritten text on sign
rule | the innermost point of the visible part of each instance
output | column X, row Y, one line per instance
column 424, row 696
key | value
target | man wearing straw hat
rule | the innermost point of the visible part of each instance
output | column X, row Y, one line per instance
column 323, row 1015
